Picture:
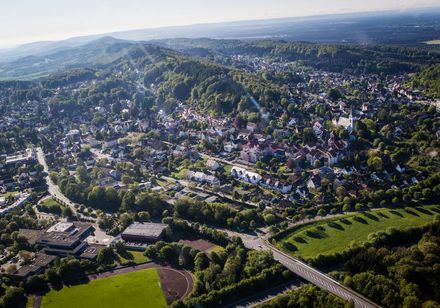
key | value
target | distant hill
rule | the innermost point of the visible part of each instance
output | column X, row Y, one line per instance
column 410, row 27
column 98, row 52
column 428, row 81
column 101, row 52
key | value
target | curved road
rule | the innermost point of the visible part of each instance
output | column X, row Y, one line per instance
column 305, row 271
column 54, row 190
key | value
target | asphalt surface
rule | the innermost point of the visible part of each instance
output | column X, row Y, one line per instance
column 55, row 192
column 305, row 271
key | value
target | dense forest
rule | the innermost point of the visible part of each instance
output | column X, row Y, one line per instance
column 308, row 296
column 428, row 81
column 335, row 58
column 398, row 276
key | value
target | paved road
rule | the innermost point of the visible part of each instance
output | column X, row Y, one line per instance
column 265, row 296
column 24, row 197
column 305, row 271
column 55, row 192
column 191, row 185
column 53, row 189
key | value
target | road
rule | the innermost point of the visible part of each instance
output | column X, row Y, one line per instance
column 24, row 197
column 267, row 295
column 53, row 189
column 191, row 185
column 305, row 271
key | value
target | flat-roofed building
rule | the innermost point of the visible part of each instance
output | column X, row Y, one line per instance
column 143, row 232
column 67, row 239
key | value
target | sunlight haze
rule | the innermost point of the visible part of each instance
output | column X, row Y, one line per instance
column 28, row 21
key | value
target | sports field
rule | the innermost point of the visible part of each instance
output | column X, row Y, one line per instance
column 136, row 289
column 337, row 235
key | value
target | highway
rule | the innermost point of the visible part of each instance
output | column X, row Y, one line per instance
column 305, row 271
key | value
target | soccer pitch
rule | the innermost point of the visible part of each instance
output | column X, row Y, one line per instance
column 137, row 289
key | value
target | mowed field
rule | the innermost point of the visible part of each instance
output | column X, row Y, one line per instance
column 136, row 289
column 336, row 235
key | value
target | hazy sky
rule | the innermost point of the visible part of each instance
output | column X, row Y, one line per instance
column 35, row 20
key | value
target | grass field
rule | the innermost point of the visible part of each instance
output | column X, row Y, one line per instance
column 136, row 289
column 337, row 235
column 132, row 255
column 50, row 202
column 10, row 193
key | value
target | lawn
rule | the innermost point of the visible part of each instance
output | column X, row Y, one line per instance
column 337, row 235
column 132, row 255
column 137, row 289
column 50, row 202
column 9, row 193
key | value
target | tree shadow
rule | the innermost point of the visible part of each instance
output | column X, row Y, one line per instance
column 315, row 234
column 289, row 246
column 371, row 216
column 300, row 239
column 335, row 225
column 345, row 221
column 396, row 213
column 73, row 281
column 126, row 255
column 361, row 220
column 436, row 209
column 383, row 215
column 320, row 228
column 424, row 211
column 409, row 211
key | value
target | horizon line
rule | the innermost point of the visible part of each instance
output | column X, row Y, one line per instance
column 110, row 33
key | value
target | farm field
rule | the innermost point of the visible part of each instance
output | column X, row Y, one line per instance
column 136, row 289
column 327, row 237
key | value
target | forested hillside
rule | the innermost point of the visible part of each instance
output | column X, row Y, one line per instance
column 428, row 81
column 335, row 58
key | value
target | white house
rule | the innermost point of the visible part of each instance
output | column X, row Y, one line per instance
column 245, row 175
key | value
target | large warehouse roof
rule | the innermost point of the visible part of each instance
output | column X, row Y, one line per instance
column 145, row 229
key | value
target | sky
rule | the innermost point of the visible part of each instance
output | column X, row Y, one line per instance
column 23, row 21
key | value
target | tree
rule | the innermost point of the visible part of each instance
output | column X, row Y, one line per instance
column 200, row 261
column 269, row 219
column 375, row 163
column 334, row 94
column 128, row 201
column 35, row 283
column 143, row 216
column 167, row 253
column 346, row 207
column 14, row 297
column 106, row 256
column 322, row 212
column 67, row 212
column 81, row 174
column 119, row 246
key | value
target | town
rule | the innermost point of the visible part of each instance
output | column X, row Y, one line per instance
column 101, row 172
